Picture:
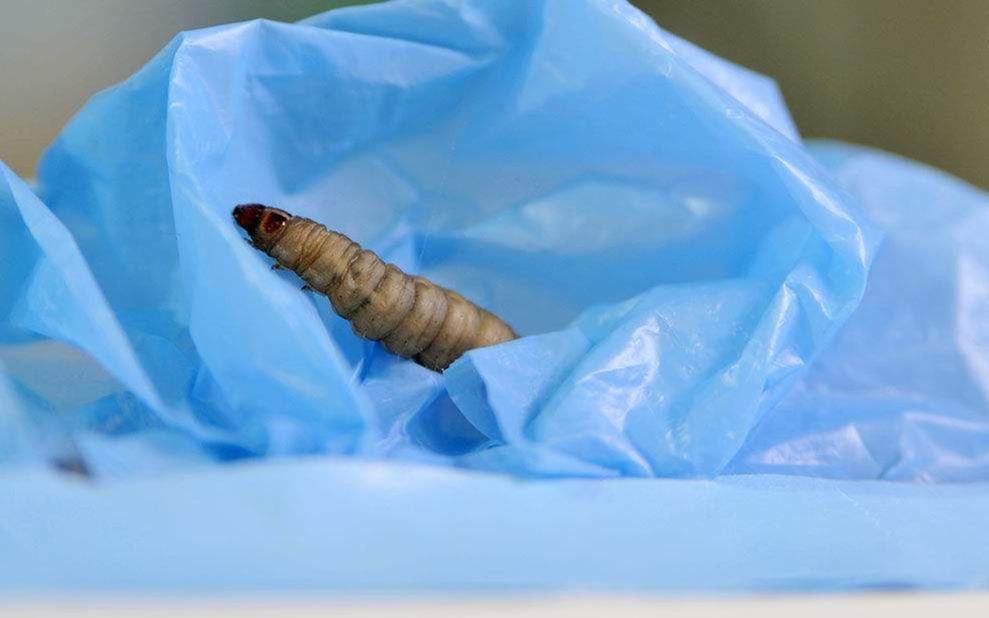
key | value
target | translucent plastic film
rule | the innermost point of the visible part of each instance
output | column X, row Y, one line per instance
column 642, row 212
column 685, row 274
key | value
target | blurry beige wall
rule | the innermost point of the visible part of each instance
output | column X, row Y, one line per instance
column 911, row 76
column 55, row 54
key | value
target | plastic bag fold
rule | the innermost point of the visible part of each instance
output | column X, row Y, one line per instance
column 679, row 263
column 902, row 392
column 643, row 212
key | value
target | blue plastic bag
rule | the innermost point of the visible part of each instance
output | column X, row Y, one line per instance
column 611, row 200
column 642, row 212
column 353, row 527
column 902, row 392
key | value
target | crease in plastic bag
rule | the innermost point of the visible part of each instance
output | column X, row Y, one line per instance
column 57, row 398
column 17, row 440
column 643, row 212
column 903, row 392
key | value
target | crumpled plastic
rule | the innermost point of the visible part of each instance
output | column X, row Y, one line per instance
column 643, row 213
column 673, row 264
column 903, row 392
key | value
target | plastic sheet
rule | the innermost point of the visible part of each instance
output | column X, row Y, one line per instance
column 354, row 527
column 902, row 392
column 642, row 212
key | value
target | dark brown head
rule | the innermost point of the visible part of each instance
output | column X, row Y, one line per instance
column 262, row 223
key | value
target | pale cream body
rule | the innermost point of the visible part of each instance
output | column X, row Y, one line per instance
column 411, row 316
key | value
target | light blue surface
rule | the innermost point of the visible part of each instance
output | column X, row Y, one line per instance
column 350, row 526
column 645, row 215
column 903, row 392
column 16, row 434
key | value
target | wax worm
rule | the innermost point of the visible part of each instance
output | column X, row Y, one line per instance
column 413, row 317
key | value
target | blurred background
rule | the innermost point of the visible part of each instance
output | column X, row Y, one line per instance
column 909, row 76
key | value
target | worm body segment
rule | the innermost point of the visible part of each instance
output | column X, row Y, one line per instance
column 412, row 316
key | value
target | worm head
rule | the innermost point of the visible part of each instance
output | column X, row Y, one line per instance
column 262, row 223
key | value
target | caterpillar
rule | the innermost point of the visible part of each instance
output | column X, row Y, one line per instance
column 411, row 316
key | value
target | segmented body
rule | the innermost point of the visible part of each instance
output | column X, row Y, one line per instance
column 411, row 316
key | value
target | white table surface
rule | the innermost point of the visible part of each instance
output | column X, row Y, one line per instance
column 900, row 605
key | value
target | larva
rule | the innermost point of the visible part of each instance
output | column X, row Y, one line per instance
column 412, row 316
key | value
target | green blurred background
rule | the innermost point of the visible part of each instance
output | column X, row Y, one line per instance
column 910, row 76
